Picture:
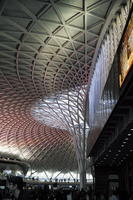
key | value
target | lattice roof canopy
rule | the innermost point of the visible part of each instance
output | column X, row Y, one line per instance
column 46, row 50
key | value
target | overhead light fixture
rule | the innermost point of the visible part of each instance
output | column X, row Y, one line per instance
column 131, row 129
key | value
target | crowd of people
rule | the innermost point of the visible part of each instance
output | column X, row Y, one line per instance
column 17, row 190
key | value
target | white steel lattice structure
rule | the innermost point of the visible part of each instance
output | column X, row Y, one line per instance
column 46, row 50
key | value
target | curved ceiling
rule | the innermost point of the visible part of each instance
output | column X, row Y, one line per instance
column 46, row 53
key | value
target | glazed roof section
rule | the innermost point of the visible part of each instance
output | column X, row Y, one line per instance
column 46, row 53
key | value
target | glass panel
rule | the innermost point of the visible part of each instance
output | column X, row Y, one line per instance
column 104, row 90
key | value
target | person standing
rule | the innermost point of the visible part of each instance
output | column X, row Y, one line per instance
column 113, row 196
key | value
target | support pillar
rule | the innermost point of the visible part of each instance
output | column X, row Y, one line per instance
column 83, row 179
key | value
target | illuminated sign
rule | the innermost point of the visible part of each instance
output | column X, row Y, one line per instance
column 126, row 54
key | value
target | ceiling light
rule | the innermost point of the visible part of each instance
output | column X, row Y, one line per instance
column 126, row 138
column 129, row 134
column 131, row 129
